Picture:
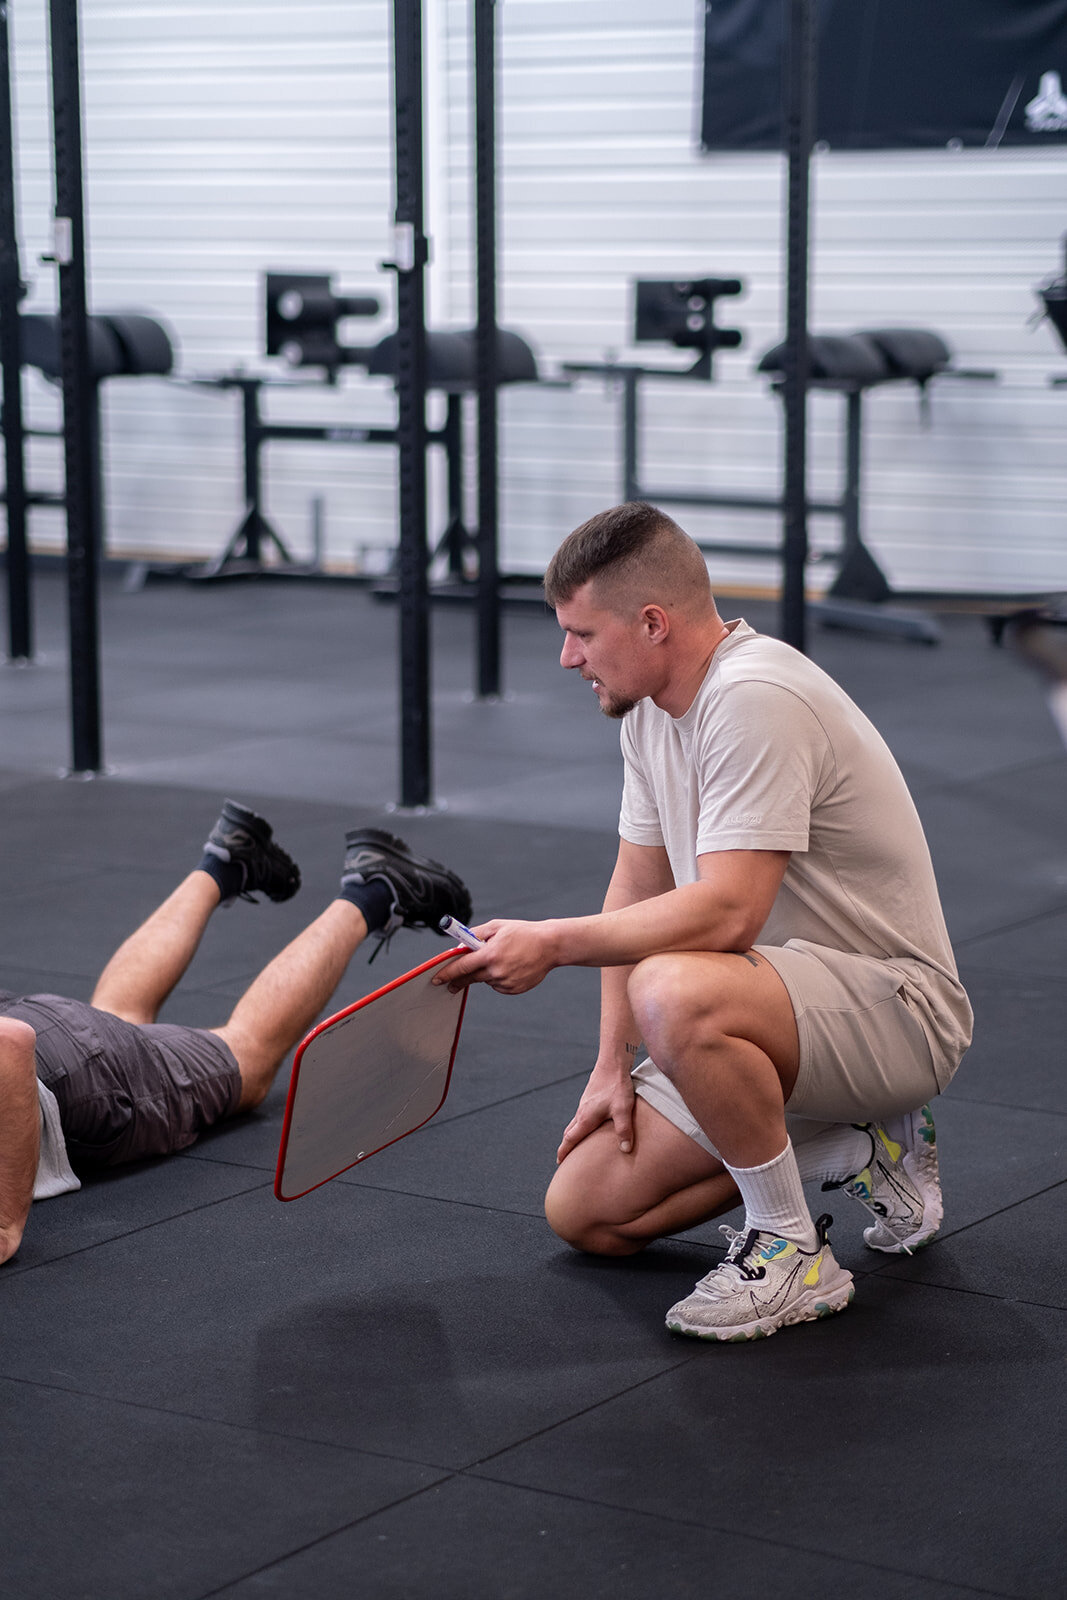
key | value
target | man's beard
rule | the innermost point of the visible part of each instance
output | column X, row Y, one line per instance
column 616, row 707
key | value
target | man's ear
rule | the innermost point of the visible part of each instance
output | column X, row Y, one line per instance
column 656, row 623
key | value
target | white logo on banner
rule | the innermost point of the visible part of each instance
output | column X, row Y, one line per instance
column 1047, row 112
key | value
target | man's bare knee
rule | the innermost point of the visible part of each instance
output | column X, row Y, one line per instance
column 257, row 1070
column 573, row 1214
column 667, row 1000
column 575, row 1225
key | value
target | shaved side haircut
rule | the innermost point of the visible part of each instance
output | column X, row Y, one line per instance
column 636, row 554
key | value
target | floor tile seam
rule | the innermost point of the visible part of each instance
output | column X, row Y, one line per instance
column 520, row 1094
column 959, row 1097
column 445, row 1200
column 674, row 1364
column 887, row 1276
column 1000, row 969
column 1019, row 926
column 231, row 1162
column 105, row 1398
column 144, row 1227
column 972, row 789
column 1026, row 1199
column 729, row 1529
column 1016, row 770
column 358, row 1183
column 323, row 1538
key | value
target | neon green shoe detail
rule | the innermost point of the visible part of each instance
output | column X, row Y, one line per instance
column 901, row 1186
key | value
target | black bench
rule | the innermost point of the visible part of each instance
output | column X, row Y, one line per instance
column 851, row 364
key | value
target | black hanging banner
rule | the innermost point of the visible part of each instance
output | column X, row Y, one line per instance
column 893, row 74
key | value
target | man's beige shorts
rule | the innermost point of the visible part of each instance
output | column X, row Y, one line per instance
column 864, row 1053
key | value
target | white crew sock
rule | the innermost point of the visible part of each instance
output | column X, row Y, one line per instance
column 774, row 1199
column 839, row 1152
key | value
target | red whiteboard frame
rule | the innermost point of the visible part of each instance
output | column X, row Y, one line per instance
column 324, row 1027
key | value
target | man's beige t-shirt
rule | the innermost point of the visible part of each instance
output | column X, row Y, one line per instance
column 773, row 755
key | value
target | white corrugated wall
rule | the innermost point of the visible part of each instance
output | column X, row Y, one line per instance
column 225, row 137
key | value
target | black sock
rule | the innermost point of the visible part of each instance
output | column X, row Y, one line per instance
column 374, row 899
column 229, row 875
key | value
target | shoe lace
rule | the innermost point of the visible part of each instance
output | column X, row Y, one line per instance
column 733, row 1271
column 385, row 933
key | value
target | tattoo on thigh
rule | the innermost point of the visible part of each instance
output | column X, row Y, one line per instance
column 747, row 956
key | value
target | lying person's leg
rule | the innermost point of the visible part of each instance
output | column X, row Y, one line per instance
column 384, row 886
column 130, row 1090
column 282, row 1003
column 240, row 859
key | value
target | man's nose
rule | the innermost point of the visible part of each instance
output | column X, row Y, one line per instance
column 570, row 655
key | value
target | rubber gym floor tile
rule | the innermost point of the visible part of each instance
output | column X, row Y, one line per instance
column 992, row 872
column 550, row 795
column 12, row 782
column 1014, row 1244
column 122, row 1500
column 944, row 733
column 1017, row 1055
column 494, row 1064
column 991, row 1157
column 34, row 687
column 1035, row 794
column 1035, row 948
column 912, row 1433
column 298, row 767
column 39, row 742
column 490, row 1067
column 24, row 872
column 447, row 1329
column 199, row 700
column 103, row 823
column 502, row 1156
column 39, row 980
column 467, row 1539
column 122, row 1201
column 527, row 723
column 353, row 1317
column 565, row 1009
column 75, row 928
column 518, row 867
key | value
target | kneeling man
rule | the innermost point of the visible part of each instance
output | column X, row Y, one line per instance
column 772, row 932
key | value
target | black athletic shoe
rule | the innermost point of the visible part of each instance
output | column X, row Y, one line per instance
column 245, row 841
column 423, row 890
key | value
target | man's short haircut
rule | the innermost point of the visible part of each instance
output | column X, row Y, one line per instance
column 630, row 548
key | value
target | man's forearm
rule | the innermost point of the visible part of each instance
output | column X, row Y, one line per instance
column 693, row 917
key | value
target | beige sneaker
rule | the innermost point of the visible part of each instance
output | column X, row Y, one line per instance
column 763, row 1284
column 900, row 1186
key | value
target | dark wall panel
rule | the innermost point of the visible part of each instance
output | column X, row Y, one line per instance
column 893, row 73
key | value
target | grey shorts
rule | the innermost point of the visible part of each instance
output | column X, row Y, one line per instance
column 864, row 1052
column 125, row 1090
